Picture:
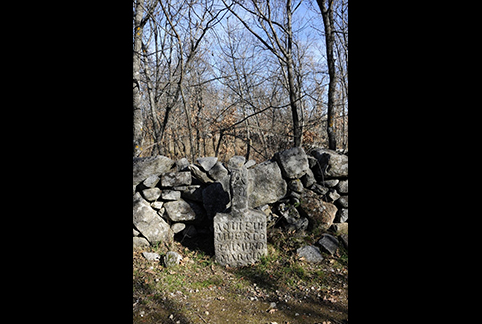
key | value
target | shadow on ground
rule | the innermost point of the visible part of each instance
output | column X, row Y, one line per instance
column 165, row 309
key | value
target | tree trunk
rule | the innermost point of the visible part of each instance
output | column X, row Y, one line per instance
column 327, row 14
column 157, row 148
column 297, row 130
column 136, row 67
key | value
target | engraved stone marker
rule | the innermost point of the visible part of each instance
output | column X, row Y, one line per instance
column 240, row 236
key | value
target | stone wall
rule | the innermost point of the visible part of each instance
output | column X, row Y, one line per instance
column 295, row 190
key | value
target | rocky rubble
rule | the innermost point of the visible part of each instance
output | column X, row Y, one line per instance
column 296, row 190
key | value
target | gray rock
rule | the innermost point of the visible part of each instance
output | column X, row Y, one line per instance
column 342, row 186
column 146, row 166
column 135, row 232
column 330, row 183
column 151, row 256
column 182, row 210
column 298, row 225
column 157, row 205
column 236, row 162
column 161, row 212
column 332, row 195
column 182, row 165
column 249, row 164
column 170, row 195
column 265, row 184
column 172, row 259
column 151, row 194
column 148, row 223
column 295, row 185
column 151, row 181
column 294, row 222
column 156, row 231
column 172, row 179
column 342, row 202
column 139, row 242
column 293, row 162
column 218, row 171
column 319, row 189
column 310, row 253
column 142, row 211
column 207, row 162
column 334, row 165
column 329, row 243
column 178, row 227
column 200, row 175
column 308, row 179
column 312, row 162
column 342, row 215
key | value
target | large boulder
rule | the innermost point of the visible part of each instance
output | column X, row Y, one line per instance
column 293, row 162
column 265, row 184
column 148, row 223
column 333, row 165
column 144, row 167
column 321, row 214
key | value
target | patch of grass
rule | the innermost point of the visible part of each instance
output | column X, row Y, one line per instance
column 172, row 282
column 343, row 259
column 299, row 271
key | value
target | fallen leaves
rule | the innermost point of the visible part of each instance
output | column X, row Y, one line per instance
column 331, row 299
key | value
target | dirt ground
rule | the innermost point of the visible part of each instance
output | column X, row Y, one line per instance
column 280, row 288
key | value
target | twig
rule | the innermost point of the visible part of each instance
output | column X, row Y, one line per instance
column 202, row 318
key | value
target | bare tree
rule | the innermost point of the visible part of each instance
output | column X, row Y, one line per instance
column 326, row 7
column 136, row 67
column 141, row 14
column 277, row 37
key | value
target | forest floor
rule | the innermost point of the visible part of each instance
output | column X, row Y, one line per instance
column 280, row 288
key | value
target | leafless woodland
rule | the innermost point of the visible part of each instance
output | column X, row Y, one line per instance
column 239, row 77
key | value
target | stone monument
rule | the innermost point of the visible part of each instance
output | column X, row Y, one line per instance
column 239, row 236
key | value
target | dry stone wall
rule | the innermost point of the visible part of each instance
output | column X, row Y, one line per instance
column 295, row 190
